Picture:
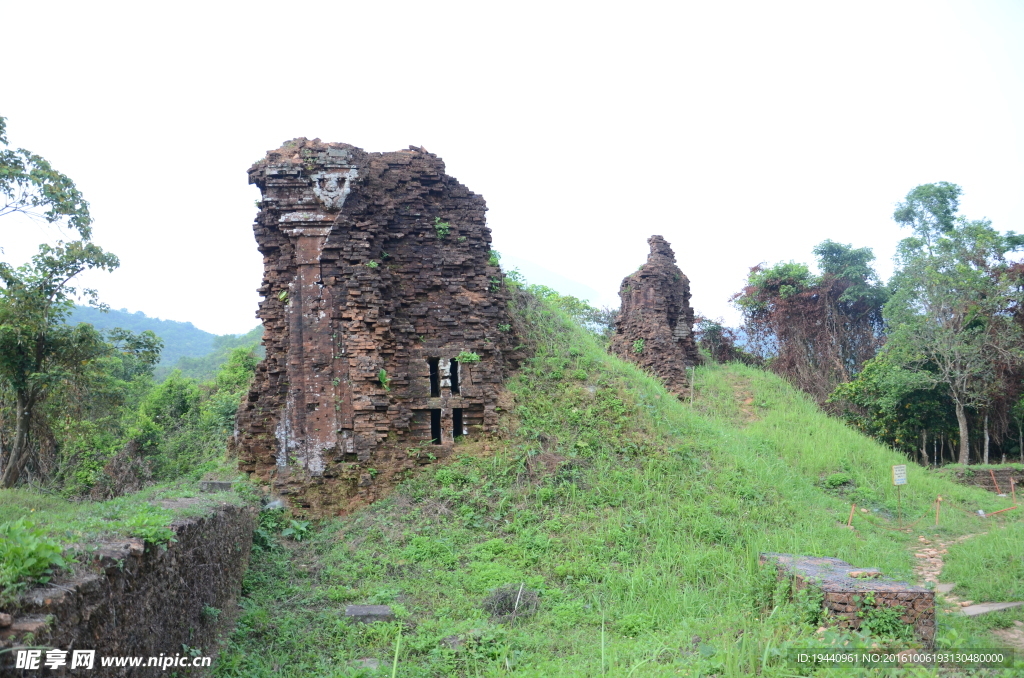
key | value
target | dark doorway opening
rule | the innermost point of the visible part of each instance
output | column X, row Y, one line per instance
column 457, row 429
column 435, row 379
column 455, row 375
column 435, row 426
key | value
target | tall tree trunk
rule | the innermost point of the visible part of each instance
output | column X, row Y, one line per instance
column 935, row 451
column 924, row 447
column 965, row 439
column 19, row 451
column 985, row 456
column 1020, row 442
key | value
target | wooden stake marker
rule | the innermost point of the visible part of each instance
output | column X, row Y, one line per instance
column 849, row 523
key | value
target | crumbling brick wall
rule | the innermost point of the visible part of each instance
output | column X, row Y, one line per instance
column 141, row 600
column 991, row 478
column 654, row 328
column 849, row 593
column 378, row 275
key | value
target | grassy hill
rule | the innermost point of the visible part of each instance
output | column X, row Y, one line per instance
column 631, row 522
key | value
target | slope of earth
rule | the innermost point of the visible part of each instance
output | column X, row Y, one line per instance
column 624, row 523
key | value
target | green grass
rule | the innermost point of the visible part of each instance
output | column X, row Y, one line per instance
column 79, row 524
column 637, row 519
column 989, row 567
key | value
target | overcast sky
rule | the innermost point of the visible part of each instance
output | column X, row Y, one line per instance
column 740, row 131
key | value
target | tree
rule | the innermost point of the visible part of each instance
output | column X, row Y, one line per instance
column 38, row 351
column 29, row 185
column 950, row 317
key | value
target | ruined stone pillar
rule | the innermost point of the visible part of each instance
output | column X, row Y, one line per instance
column 654, row 328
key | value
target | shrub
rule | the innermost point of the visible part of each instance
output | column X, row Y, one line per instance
column 838, row 480
column 26, row 554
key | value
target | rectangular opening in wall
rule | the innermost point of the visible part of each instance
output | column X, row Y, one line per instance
column 457, row 429
column 435, row 378
column 435, row 426
column 455, row 375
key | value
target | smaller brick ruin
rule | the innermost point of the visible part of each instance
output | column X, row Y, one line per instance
column 845, row 595
column 385, row 322
column 995, row 479
column 654, row 328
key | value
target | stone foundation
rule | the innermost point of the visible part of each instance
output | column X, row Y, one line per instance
column 845, row 595
column 136, row 599
column 981, row 477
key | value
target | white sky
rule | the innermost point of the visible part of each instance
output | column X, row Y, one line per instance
column 741, row 131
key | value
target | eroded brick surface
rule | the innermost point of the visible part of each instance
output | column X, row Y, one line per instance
column 377, row 275
column 991, row 479
column 846, row 597
column 134, row 599
column 654, row 328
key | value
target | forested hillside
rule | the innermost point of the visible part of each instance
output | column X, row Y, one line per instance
column 180, row 338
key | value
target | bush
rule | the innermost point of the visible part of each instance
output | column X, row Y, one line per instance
column 838, row 480
column 26, row 554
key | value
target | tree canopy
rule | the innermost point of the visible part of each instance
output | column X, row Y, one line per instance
column 31, row 186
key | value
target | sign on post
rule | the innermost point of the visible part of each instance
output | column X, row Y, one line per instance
column 899, row 474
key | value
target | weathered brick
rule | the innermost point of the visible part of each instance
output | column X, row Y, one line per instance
column 352, row 256
column 654, row 328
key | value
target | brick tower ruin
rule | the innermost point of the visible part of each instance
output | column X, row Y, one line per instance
column 384, row 319
column 654, row 328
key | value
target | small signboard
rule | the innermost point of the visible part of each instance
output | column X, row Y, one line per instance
column 899, row 474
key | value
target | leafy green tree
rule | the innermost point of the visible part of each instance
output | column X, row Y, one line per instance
column 29, row 185
column 897, row 406
column 38, row 351
column 950, row 317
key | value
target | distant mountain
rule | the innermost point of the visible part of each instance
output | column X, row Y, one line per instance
column 180, row 339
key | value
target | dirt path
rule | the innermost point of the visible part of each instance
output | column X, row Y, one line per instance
column 744, row 395
column 928, row 569
column 929, row 566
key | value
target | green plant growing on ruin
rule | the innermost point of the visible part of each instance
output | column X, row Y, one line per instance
column 494, row 258
column 210, row 614
column 881, row 620
column 372, row 264
column 151, row 525
column 443, row 228
column 638, row 346
column 505, row 327
column 463, row 238
column 26, row 554
column 297, row 530
column 467, row 357
column 283, row 296
column 384, row 379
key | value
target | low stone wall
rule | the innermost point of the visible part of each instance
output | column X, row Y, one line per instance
column 845, row 595
column 983, row 477
column 136, row 599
